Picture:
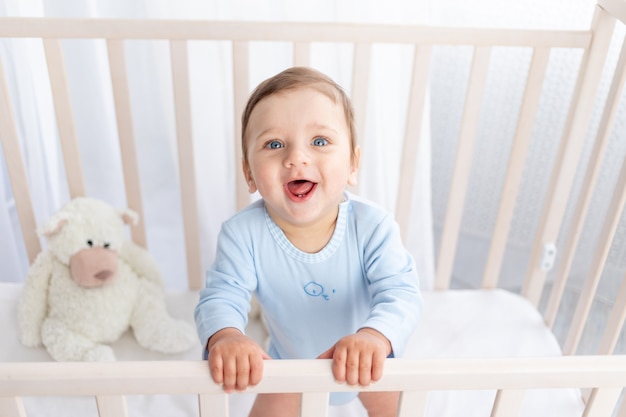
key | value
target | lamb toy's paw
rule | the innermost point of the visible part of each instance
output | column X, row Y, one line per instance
column 31, row 339
column 99, row 353
column 172, row 336
column 181, row 337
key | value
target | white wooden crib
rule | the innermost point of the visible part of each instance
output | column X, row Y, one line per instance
column 485, row 351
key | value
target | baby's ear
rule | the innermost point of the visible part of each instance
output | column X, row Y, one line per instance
column 53, row 226
column 247, row 174
column 354, row 167
column 129, row 216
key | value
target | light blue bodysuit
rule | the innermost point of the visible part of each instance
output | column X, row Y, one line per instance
column 363, row 277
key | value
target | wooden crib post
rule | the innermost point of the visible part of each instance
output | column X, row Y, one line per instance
column 302, row 54
column 570, row 149
column 360, row 90
column 314, row 404
column 462, row 165
column 412, row 135
column 213, row 405
column 602, row 402
column 12, row 407
column 612, row 218
column 507, row 403
column 515, row 169
column 124, row 117
column 186, row 163
column 17, row 171
column 64, row 117
column 412, row 403
column 588, row 187
column 112, row 406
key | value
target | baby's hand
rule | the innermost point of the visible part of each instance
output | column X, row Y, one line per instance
column 235, row 360
column 359, row 358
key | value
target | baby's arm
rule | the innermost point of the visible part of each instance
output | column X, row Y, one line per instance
column 235, row 360
column 359, row 358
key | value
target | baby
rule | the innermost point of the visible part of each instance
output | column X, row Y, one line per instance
column 329, row 270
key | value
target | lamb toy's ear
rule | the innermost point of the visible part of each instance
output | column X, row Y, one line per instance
column 129, row 216
column 53, row 226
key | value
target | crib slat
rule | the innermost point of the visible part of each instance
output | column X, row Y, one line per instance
column 360, row 88
column 588, row 186
column 621, row 412
column 515, row 168
column 302, row 54
column 602, row 402
column 112, row 406
column 17, row 171
column 611, row 222
column 314, row 404
column 462, row 165
column 605, row 240
column 12, row 407
column 412, row 403
column 614, row 323
column 214, row 405
column 507, row 403
column 123, row 114
column 568, row 156
column 184, row 133
column 412, row 136
column 241, row 64
column 64, row 117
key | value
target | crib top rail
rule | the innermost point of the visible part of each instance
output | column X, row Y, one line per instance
column 299, row 375
column 110, row 382
column 236, row 31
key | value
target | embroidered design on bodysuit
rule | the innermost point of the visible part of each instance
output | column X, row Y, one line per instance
column 316, row 290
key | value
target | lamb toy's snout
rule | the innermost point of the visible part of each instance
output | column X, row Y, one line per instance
column 94, row 267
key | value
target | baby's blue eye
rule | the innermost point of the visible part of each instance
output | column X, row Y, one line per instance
column 274, row 144
column 320, row 142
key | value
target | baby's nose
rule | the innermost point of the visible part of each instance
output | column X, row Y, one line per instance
column 297, row 156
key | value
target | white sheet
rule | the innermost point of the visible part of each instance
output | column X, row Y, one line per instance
column 456, row 323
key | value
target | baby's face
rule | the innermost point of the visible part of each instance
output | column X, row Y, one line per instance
column 299, row 156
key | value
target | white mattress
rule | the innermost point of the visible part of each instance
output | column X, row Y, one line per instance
column 458, row 323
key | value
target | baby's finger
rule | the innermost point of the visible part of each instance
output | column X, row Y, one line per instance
column 256, row 368
column 230, row 374
column 339, row 365
column 352, row 367
column 365, row 370
column 216, row 368
column 242, row 373
column 378, row 362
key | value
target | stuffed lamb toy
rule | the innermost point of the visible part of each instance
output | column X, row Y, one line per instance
column 91, row 284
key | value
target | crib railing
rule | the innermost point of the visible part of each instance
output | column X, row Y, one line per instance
column 508, row 378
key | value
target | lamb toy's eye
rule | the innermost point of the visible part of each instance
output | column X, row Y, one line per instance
column 89, row 243
column 106, row 245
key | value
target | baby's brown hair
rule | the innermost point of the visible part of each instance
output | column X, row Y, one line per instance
column 298, row 77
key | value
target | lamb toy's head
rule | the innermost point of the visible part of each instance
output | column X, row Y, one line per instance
column 87, row 235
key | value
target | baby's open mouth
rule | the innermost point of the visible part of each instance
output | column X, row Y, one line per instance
column 300, row 188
